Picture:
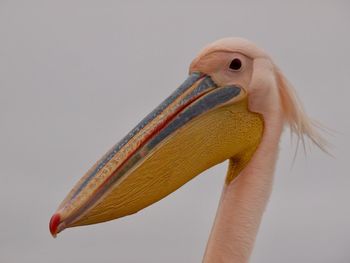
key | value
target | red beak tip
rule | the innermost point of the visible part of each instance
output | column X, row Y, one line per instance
column 53, row 225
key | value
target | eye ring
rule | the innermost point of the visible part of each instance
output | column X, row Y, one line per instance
column 236, row 64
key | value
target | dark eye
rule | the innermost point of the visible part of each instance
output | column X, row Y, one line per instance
column 236, row 64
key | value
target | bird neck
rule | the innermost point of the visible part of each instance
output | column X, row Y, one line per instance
column 243, row 201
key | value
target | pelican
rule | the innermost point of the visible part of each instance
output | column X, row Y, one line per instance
column 232, row 106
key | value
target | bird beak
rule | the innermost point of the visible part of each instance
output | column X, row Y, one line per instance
column 195, row 128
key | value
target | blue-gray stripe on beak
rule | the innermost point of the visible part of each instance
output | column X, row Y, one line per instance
column 205, row 84
column 207, row 102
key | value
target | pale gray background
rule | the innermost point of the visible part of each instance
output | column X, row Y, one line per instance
column 76, row 76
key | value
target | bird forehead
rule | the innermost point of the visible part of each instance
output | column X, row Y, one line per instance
column 234, row 44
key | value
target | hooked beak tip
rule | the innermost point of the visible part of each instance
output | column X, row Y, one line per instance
column 53, row 225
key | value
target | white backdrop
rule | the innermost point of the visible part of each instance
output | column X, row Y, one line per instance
column 67, row 68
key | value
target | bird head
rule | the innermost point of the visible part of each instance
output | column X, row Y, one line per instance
column 237, row 61
column 220, row 112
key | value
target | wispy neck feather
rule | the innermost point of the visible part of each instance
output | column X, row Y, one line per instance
column 294, row 114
